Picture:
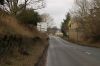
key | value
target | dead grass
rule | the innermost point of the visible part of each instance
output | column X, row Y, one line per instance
column 85, row 43
column 9, row 25
column 90, row 44
column 35, row 52
column 21, row 60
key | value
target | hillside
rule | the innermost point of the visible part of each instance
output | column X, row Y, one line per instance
column 20, row 45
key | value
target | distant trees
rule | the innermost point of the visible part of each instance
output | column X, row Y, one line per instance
column 52, row 30
column 48, row 19
column 45, row 17
column 64, row 26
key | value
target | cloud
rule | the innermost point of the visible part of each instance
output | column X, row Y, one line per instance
column 57, row 9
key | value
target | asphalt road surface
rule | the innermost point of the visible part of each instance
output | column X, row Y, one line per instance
column 63, row 53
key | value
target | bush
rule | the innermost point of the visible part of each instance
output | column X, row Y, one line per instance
column 29, row 16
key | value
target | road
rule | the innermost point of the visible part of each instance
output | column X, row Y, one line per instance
column 63, row 53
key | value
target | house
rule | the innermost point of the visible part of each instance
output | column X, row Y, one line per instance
column 42, row 26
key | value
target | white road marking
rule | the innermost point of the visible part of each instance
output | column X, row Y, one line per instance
column 88, row 53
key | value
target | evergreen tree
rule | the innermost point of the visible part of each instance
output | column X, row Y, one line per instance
column 64, row 27
column 29, row 17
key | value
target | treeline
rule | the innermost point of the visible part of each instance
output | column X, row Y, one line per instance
column 86, row 14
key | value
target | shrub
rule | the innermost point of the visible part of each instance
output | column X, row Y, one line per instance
column 29, row 17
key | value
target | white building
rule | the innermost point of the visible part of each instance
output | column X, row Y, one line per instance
column 42, row 26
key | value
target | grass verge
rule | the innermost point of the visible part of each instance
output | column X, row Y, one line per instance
column 84, row 43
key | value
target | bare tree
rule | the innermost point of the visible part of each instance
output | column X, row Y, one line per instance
column 88, row 14
column 48, row 19
column 14, row 6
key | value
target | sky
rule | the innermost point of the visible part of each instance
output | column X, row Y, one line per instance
column 57, row 10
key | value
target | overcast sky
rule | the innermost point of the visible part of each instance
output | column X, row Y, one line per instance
column 57, row 9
